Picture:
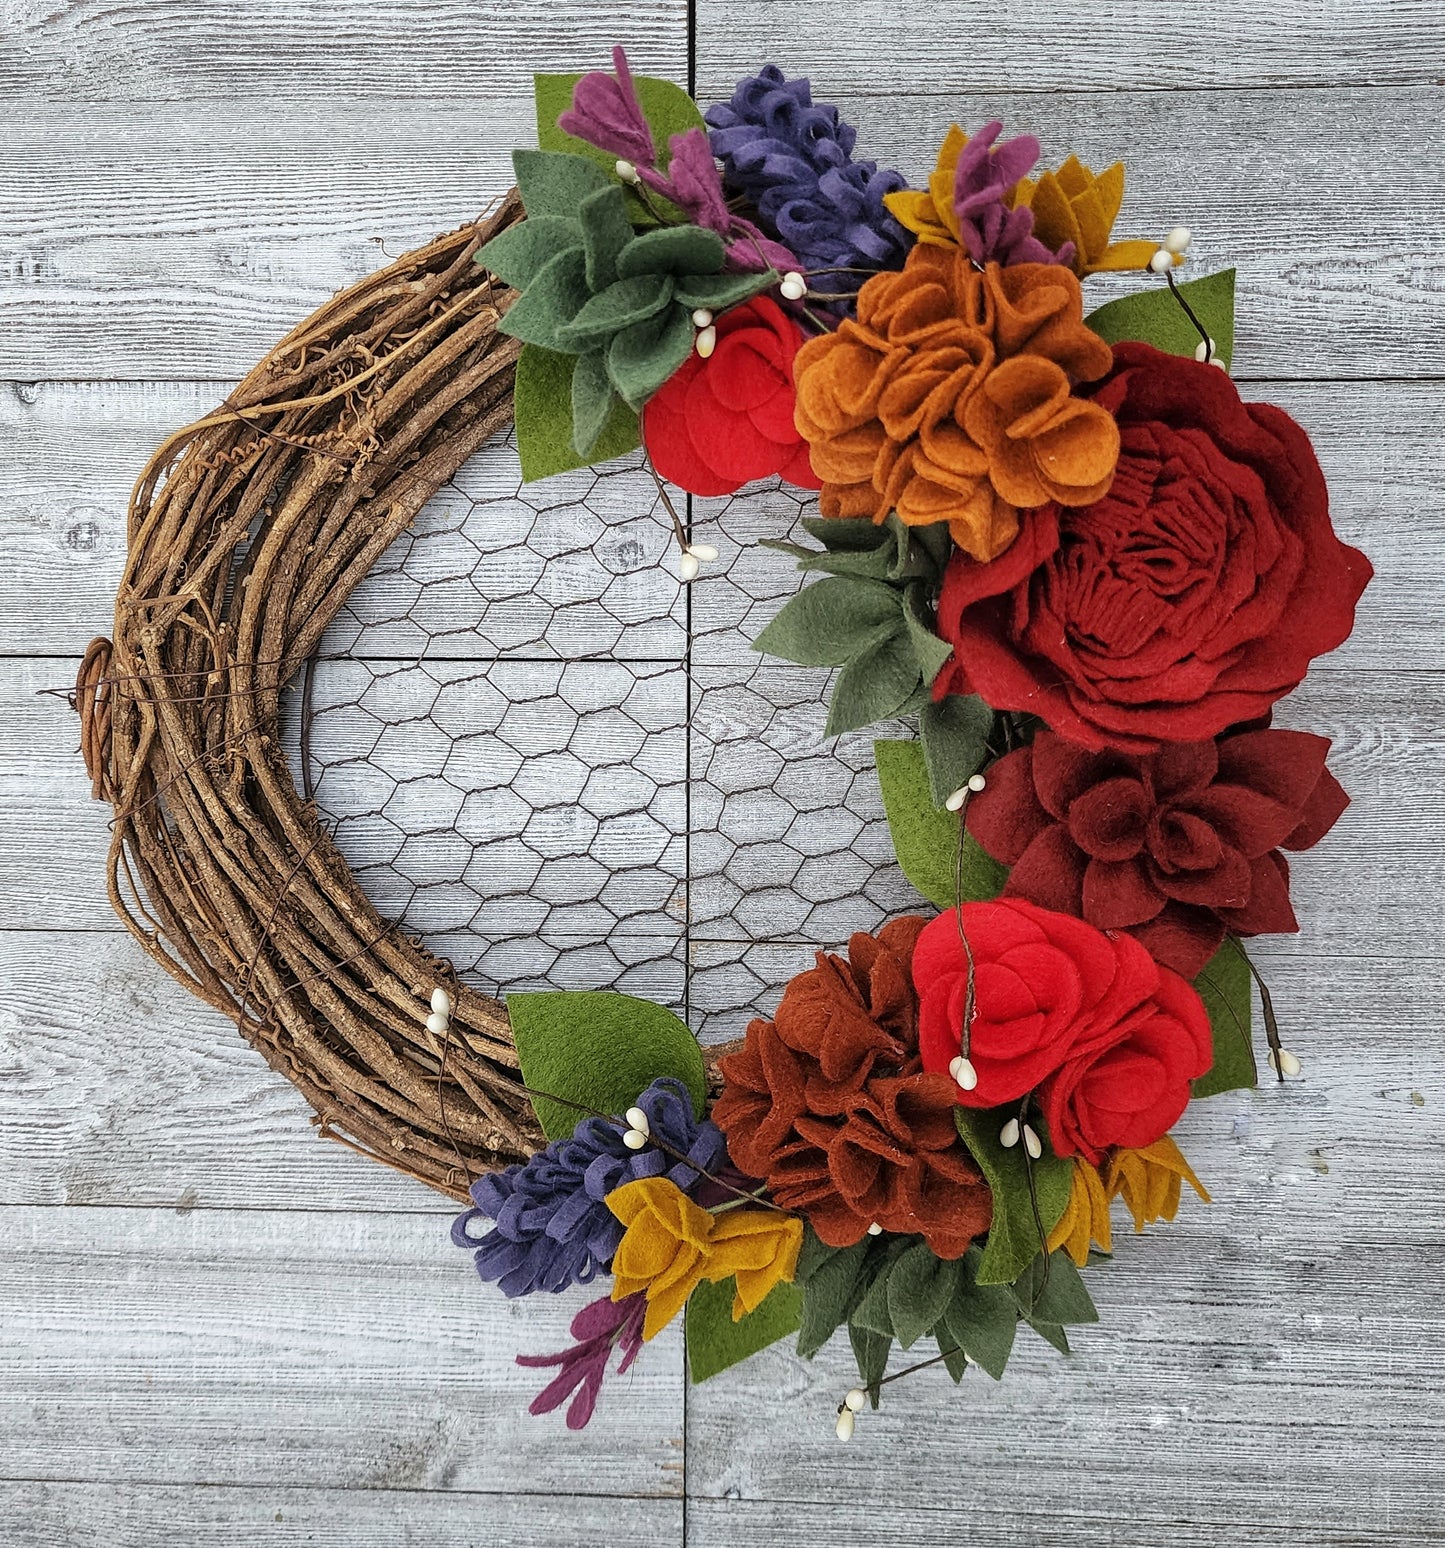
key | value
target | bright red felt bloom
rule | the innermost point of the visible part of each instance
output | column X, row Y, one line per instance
column 1107, row 1038
column 1188, row 599
column 1176, row 846
column 719, row 423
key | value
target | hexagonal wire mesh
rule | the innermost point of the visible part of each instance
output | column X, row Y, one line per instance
column 561, row 770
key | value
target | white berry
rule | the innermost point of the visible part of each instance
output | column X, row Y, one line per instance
column 1178, row 240
column 1162, row 261
column 441, row 1001
column 706, row 341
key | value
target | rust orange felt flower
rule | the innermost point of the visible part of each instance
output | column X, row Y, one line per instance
column 950, row 398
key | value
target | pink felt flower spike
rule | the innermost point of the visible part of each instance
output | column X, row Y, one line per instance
column 606, row 113
column 599, row 1328
column 985, row 175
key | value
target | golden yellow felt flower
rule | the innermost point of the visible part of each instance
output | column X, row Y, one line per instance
column 671, row 1244
column 929, row 213
column 1086, row 1217
column 1079, row 206
column 1150, row 1181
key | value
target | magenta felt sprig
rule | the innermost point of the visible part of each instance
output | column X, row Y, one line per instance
column 606, row 113
column 599, row 1328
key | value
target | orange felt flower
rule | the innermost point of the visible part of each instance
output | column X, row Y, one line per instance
column 950, row 399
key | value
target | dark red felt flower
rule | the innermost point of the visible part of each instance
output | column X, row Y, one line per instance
column 1176, row 846
column 830, row 1105
column 1188, row 599
column 1107, row 1038
column 719, row 423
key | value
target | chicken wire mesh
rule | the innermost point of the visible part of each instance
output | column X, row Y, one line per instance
column 560, row 769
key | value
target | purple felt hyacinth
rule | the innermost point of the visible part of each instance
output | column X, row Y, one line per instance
column 599, row 1328
column 553, row 1227
column 991, row 231
column 606, row 113
column 793, row 159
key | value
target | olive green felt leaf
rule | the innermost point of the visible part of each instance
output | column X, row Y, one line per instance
column 667, row 108
column 715, row 1341
column 556, row 295
column 1224, row 986
column 954, row 733
column 518, row 254
column 920, row 1287
column 982, row 1319
column 606, row 230
column 870, row 1350
column 640, row 358
column 825, row 624
column 543, row 404
column 1013, row 1237
column 1155, row 317
column 593, row 400
column 831, row 1279
column 553, row 184
column 600, row 1051
column 925, row 835
column 1058, row 1296
column 876, row 682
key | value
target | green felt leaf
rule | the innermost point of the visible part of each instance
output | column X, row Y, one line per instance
column 839, row 534
column 1053, row 1333
column 600, row 1050
column 870, row 1350
column 592, row 401
column 1013, row 1237
column 715, row 1341
column 1059, row 1297
column 552, row 300
column 542, row 404
column 606, row 230
column 641, row 358
column 519, row 253
column 870, row 563
column 876, row 682
column 1155, row 317
column 717, row 292
column 982, row 1318
column 955, row 1360
column 607, row 313
column 929, row 652
column 553, row 184
column 954, row 735
column 830, row 1279
column 920, row 1287
column 676, row 250
column 667, row 108
column 925, row 836
column 1224, row 986
column 827, row 623
column 873, row 1310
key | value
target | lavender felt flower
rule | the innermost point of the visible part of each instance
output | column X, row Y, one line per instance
column 599, row 1328
column 991, row 231
column 553, row 1228
column 606, row 113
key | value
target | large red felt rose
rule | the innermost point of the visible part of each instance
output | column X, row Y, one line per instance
column 1107, row 1038
column 1176, row 846
column 719, row 423
column 1188, row 599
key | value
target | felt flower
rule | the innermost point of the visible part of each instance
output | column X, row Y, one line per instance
column 1107, row 1039
column 970, row 201
column 599, row 1328
column 719, row 423
column 949, row 398
column 553, row 1227
column 792, row 159
column 1085, row 1220
column 1150, row 1181
column 606, row 113
column 1188, row 598
column 670, row 1245
column 1074, row 207
column 830, row 1105
column 1177, row 847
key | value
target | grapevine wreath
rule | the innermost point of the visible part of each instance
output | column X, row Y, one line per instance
column 1058, row 538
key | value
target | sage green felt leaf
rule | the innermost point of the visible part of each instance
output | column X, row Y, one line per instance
column 925, row 836
column 1224, row 986
column 920, row 1287
column 954, row 733
column 830, row 1286
column 553, row 184
column 982, row 1318
column 607, row 313
column 875, row 683
column 600, row 1051
column 717, row 292
column 955, row 1360
column 518, row 254
column 678, row 250
column 838, row 534
column 715, row 1341
column 592, row 401
column 667, row 108
column 552, row 300
column 870, row 1350
column 814, row 1254
column 641, row 358
column 606, row 230
column 1053, row 1333
column 872, row 1310
column 870, row 563
column 929, row 651
column 1156, row 317
column 1013, row 1237
column 826, row 623
column 542, row 405
column 1058, row 1297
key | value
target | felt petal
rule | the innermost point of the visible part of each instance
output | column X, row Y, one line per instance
column 1324, row 808
column 1006, row 816
column 1120, row 893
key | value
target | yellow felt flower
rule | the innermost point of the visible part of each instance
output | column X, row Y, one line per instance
column 1086, row 1217
column 1079, row 206
column 929, row 213
column 1150, row 1181
column 670, row 1245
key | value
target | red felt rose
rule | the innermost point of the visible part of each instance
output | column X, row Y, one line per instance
column 1188, row 599
column 1107, row 1038
column 719, row 423
column 1177, row 847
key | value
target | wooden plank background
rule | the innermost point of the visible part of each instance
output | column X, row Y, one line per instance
column 216, row 1330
